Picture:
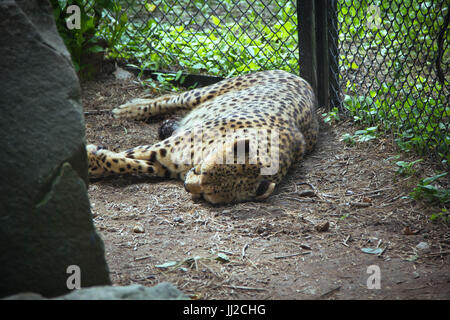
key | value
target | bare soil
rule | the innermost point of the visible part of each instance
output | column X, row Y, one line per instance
column 304, row 242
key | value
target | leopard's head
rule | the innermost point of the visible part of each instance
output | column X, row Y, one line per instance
column 219, row 180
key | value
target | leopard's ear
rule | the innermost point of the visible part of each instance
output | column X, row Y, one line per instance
column 265, row 189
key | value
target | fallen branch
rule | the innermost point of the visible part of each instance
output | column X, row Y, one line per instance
column 244, row 288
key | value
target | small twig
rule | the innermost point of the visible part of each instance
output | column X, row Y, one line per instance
column 330, row 196
column 389, row 202
column 371, row 192
column 298, row 200
column 345, row 241
column 308, row 184
column 244, row 288
column 243, row 250
column 379, row 243
column 292, row 255
column 330, row 292
column 385, row 248
column 418, row 288
column 436, row 254
column 210, row 270
column 142, row 258
column 360, row 204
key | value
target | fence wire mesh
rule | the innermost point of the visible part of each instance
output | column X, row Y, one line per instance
column 222, row 38
column 392, row 59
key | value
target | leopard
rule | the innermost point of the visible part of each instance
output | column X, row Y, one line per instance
column 235, row 143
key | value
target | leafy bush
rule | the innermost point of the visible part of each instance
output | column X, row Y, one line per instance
column 86, row 39
column 428, row 192
column 405, row 168
column 363, row 135
column 418, row 120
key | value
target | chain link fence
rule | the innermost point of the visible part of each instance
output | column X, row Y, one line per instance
column 385, row 63
column 390, row 69
column 215, row 37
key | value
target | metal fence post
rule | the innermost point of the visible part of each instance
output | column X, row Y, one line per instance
column 321, row 32
column 333, row 58
column 307, row 41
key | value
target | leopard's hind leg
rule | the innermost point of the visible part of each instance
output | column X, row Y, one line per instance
column 143, row 109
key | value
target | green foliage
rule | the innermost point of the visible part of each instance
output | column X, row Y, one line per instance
column 362, row 136
column 220, row 47
column 332, row 116
column 405, row 168
column 86, row 39
column 166, row 81
column 418, row 118
column 429, row 193
column 443, row 215
column 405, row 98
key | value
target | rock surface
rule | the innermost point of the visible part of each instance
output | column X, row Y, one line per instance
column 162, row 291
column 45, row 219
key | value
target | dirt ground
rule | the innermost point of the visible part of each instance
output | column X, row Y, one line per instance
column 304, row 242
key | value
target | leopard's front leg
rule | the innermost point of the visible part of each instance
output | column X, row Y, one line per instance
column 103, row 162
column 157, row 160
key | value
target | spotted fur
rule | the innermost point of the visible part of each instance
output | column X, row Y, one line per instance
column 223, row 123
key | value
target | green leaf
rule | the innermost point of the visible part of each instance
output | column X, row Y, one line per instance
column 372, row 251
column 150, row 7
column 367, row 137
column 95, row 49
column 198, row 66
column 402, row 163
column 429, row 180
column 178, row 75
column 215, row 20
column 62, row 4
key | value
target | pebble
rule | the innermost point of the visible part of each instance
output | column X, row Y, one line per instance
column 178, row 219
column 423, row 245
column 138, row 229
column 323, row 227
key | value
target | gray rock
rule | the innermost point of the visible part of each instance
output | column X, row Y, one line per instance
column 25, row 296
column 45, row 219
column 162, row 291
